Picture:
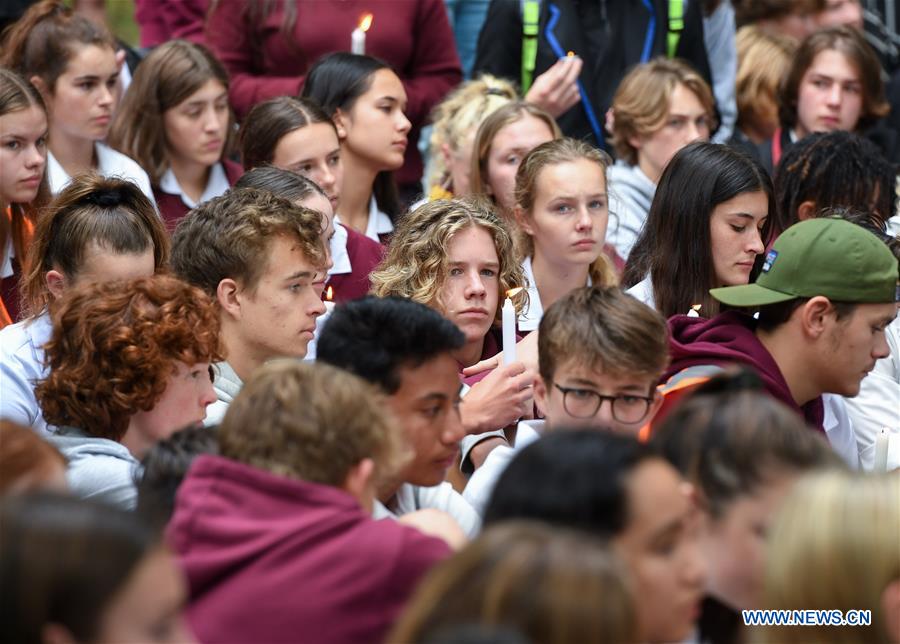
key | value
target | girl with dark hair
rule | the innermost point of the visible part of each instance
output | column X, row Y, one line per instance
column 85, row 572
column 72, row 62
column 834, row 83
column 708, row 222
column 23, row 181
column 296, row 135
column 622, row 491
column 367, row 102
column 96, row 230
column 175, row 121
column 269, row 47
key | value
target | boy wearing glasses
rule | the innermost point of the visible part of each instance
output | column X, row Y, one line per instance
column 601, row 353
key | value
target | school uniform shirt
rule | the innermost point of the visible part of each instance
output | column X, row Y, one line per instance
column 483, row 480
column 877, row 406
column 174, row 204
column 110, row 163
column 411, row 498
column 840, row 430
column 21, row 367
column 530, row 318
column 643, row 292
column 379, row 226
column 99, row 468
column 630, row 195
column 354, row 257
column 227, row 385
column 320, row 324
column 275, row 559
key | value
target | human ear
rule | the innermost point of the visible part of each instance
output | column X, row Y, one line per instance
column 340, row 123
column 56, row 283
column 540, row 396
column 814, row 316
column 228, row 296
column 806, row 210
column 523, row 220
column 41, row 86
column 359, row 483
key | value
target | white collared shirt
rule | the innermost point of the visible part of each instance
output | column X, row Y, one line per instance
column 530, row 318
column 21, row 367
column 340, row 258
column 379, row 223
column 110, row 163
column 216, row 185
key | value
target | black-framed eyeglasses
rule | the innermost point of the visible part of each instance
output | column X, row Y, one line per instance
column 584, row 403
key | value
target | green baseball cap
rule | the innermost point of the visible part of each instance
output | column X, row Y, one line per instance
column 827, row 256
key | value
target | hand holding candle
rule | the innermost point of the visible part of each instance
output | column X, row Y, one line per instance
column 509, row 327
column 358, row 37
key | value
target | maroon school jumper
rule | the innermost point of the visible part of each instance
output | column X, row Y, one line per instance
column 274, row 559
column 412, row 36
column 365, row 254
column 729, row 338
column 173, row 209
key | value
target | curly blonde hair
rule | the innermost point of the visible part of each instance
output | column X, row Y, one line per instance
column 460, row 114
column 115, row 345
column 416, row 261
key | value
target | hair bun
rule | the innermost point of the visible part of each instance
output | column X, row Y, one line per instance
column 109, row 198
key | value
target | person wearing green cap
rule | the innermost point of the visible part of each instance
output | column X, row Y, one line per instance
column 827, row 290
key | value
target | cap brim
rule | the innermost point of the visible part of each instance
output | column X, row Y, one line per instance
column 749, row 295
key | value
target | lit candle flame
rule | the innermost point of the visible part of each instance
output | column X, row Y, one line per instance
column 365, row 21
column 329, row 294
column 696, row 307
column 513, row 292
column 571, row 54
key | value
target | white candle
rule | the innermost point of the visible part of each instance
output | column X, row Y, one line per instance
column 695, row 311
column 881, row 451
column 509, row 327
column 358, row 37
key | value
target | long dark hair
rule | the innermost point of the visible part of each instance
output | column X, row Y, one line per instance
column 267, row 123
column 49, row 563
column 335, row 82
column 675, row 246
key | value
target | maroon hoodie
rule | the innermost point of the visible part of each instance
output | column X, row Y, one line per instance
column 729, row 338
column 274, row 559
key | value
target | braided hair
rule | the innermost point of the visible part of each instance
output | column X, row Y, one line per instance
column 833, row 169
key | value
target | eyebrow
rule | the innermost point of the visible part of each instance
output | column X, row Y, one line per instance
column 673, row 527
column 436, row 396
column 487, row 264
column 94, row 77
column 590, row 196
column 299, row 275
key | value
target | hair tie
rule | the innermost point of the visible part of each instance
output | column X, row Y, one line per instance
column 105, row 198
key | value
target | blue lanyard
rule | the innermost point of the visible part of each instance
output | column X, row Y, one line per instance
column 559, row 52
column 651, row 32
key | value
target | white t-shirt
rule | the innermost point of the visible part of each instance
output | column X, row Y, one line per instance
column 443, row 497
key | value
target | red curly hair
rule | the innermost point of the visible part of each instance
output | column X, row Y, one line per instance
column 115, row 345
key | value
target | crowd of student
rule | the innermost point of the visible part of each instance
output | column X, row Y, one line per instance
column 306, row 345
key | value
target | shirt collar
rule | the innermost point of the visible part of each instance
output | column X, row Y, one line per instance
column 216, row 185
column 530, row 318
column 379, row 222
column 339, row 255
